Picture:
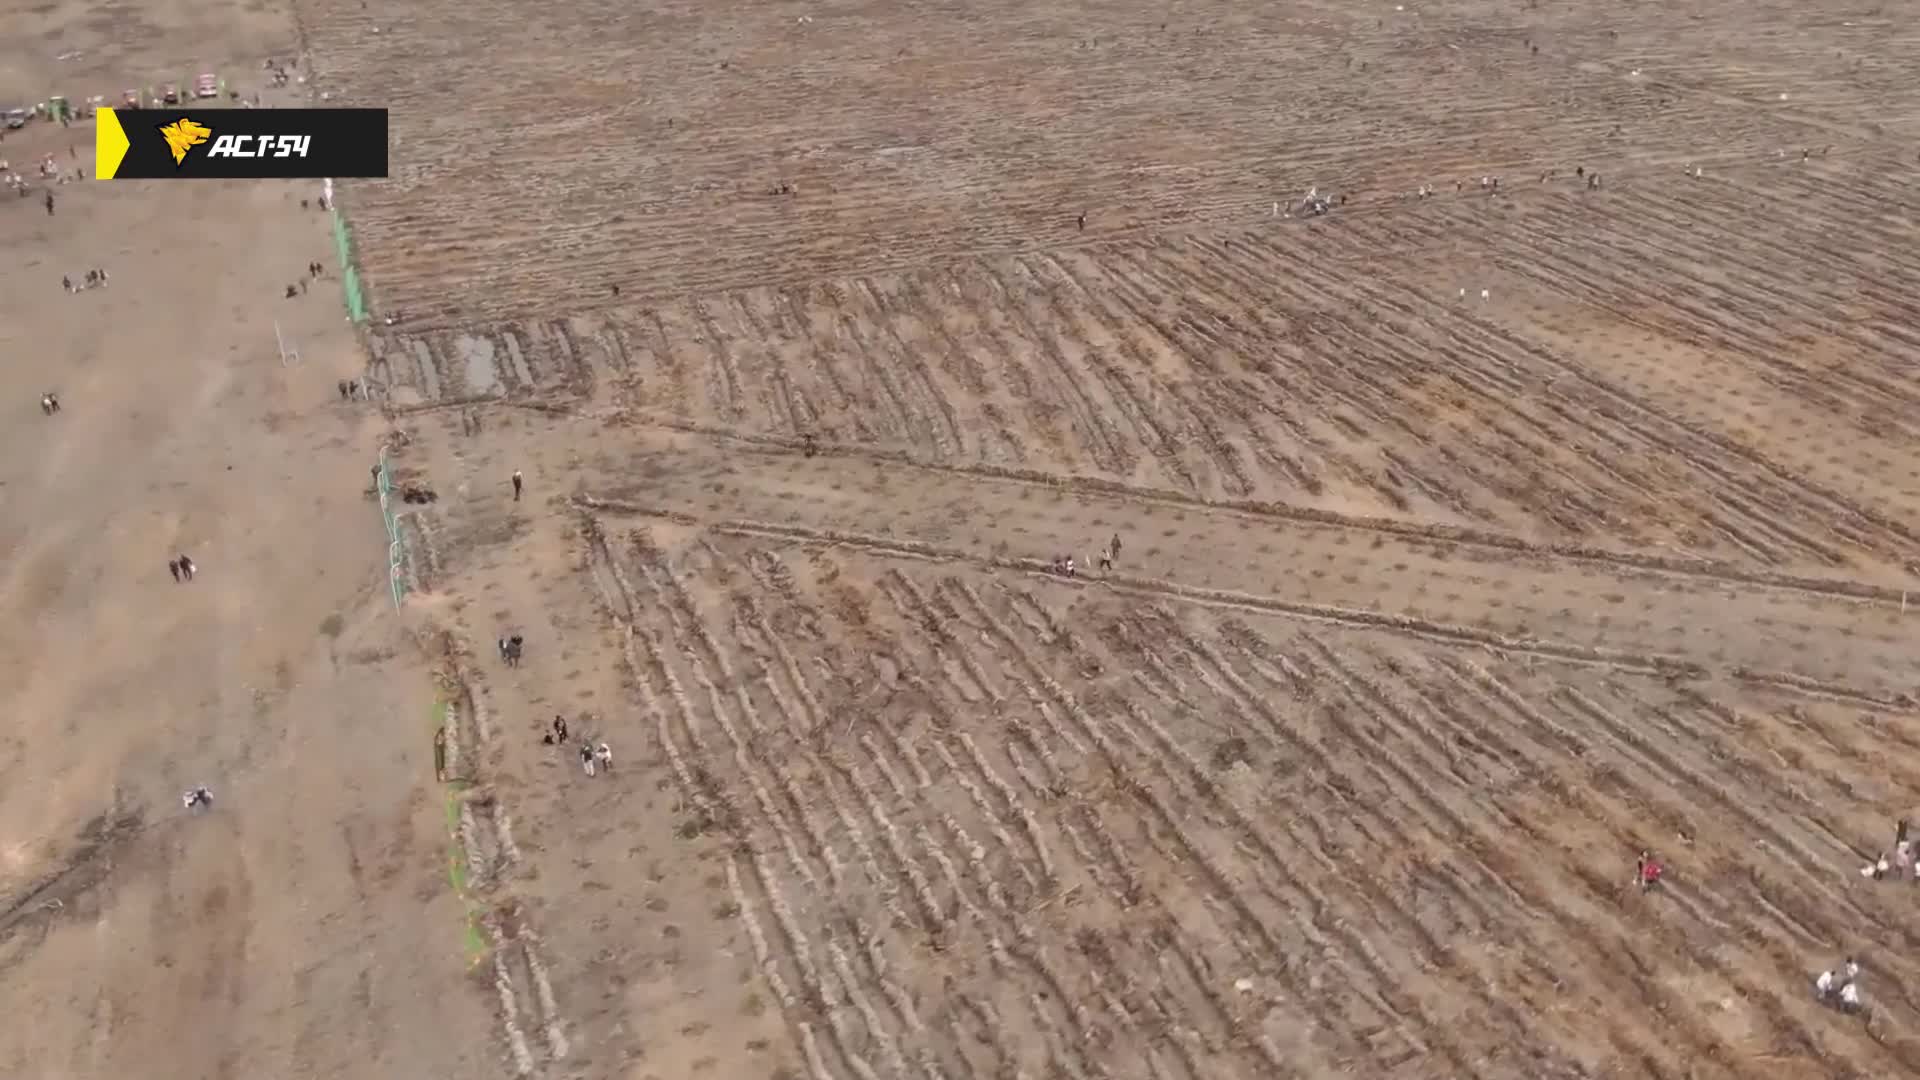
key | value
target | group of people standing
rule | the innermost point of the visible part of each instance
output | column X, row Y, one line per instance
column 595, row 758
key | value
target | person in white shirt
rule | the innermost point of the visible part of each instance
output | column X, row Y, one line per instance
column 1850, row 997
column 1823, row 986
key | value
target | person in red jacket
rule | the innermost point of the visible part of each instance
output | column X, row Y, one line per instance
column 1648, row 872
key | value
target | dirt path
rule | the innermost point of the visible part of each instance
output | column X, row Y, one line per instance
column 1840, row 633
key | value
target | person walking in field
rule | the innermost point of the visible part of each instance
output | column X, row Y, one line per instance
column 586, row 759
column 559, row 729
column 603, row 757
column 198, row 798
column 174, row 566
column 440, row 755
column 186, row 567
column 516, row 485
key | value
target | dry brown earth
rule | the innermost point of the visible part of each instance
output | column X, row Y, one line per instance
column 1432, row 610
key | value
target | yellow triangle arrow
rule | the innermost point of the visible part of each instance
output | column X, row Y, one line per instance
column 109, row 144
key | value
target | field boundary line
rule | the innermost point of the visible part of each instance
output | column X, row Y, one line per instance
column 1667, row 565
column 396, row 539
column 343, row 244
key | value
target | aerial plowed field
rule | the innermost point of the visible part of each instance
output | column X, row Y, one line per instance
column 1272, row 365
column 644, row 146
column 978, row 823
column 1475, row 538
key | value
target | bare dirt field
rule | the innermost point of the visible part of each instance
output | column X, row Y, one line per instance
column 1471, row 543
column 304, row 927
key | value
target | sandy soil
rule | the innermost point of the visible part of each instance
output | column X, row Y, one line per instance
column 305, row 926
column 1430, row 611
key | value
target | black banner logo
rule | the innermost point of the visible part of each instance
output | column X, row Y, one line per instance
column 239, row 144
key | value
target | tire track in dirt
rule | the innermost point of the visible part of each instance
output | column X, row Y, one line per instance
column 1680, row 566
column 1667, row 664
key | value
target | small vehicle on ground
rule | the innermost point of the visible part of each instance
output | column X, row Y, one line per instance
column 206, row 86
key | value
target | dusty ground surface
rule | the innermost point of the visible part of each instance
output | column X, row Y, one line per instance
column 1430, row 612
column 305, row 927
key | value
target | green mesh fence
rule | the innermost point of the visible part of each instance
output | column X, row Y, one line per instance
column 396, row 550
column 349, row 275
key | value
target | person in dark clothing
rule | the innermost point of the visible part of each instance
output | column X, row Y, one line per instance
column 516, row 485
column 173, row 565
column 560, row 728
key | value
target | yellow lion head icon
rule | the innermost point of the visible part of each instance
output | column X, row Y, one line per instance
column 182, row 135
